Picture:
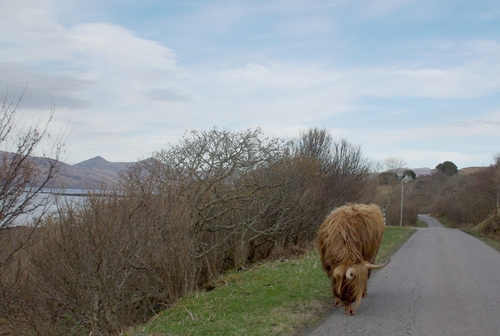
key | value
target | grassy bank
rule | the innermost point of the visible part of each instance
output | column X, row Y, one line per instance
column 490, row 240
column 421, row 224
column 273, row 298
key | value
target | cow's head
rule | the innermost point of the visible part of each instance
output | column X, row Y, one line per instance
column 349, row 281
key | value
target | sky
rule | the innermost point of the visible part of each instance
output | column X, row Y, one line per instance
column 417, row 80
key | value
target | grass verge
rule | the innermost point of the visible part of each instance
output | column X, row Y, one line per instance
column 484, row 238
column 272, row 298
column 421, row 224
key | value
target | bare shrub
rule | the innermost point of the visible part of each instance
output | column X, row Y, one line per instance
column 410, row 213
column 464, row 200
column 28, row 163
column 341, row 171
column 490, row 226
column 217, row 200
column 21, row 178
column 348, row 174
column 389, row 187
column 105, row 264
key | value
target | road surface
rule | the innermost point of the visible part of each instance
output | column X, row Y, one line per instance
column 441, row 282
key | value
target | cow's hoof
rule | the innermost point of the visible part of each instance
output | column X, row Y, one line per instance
column 349, row 310
column 338, row 303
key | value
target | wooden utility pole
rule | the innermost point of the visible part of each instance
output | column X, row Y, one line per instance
column 403, row 181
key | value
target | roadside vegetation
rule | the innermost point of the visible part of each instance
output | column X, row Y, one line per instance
column 467, row 199
column 280, row 297
column 421, row 224
column 217, row 201
column 488, row 230
column 488, row 239
column 22, row 179
column 460, row 199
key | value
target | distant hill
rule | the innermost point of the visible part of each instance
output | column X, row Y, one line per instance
column 95, row 173
column 100, row 163
column 470, row 170
column 98, row 173
column 423, row 171
column 420, row 172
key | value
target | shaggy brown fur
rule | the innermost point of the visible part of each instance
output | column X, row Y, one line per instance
column 350, row 238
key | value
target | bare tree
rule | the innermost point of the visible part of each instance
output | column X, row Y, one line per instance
column 226, row 177
column 390, row 193
column 348, row 172
column 394, row 164
column 483, row 191
column 341, row 166
column 28, row 162
column 314, row 143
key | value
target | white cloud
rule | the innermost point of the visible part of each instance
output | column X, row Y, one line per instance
column 118, row 47
column 120, row 90
column 29, row 33
column 445, row 131
column 431, row 158
column 42, row 89
column 109, row 83
column 283, row 76
column 285, row 93
column 305, row 92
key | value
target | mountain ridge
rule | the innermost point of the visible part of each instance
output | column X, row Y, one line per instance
column 94, row 173
column 97, row 173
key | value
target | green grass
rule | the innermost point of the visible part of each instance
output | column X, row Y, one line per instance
column 484, row 238
column 394, row 237
column 421, row 224
column 272, row 298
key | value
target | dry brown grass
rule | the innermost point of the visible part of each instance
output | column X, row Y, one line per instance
column 490, row 226
column 470, row 170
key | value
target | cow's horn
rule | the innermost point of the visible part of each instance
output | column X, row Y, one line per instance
column 350, row 273
column 371, row 266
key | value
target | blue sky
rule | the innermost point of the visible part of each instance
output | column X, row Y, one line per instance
column 417, row 80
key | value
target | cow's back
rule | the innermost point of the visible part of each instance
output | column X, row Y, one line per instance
column 373, row 230
column 353, row 231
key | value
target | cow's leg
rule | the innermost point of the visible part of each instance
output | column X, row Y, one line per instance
column 338, row 303
column 349, row 310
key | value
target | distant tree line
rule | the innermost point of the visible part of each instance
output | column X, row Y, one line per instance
column 461, row 200
column 447, row 168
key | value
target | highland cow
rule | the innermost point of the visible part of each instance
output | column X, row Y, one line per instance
column 348, row 242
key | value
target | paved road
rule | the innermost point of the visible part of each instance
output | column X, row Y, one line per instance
column 441, row 282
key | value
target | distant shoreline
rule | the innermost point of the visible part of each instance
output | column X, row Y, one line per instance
column 78, row 192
